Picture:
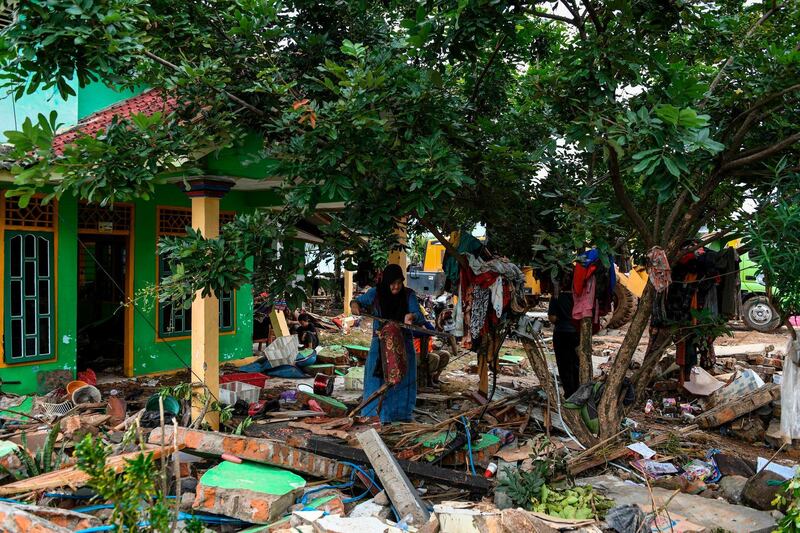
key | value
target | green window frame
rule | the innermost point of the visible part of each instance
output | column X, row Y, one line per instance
column 29, row 306
column 174, row 322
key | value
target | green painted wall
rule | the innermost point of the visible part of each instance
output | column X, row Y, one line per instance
column 235, row 161
column 150, row 354
column 89, row 99
column 66, row 296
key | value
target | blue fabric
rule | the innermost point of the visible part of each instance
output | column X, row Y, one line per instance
column 594, row 255
column 259, row 365
column 305, row 360
column 286, row 371
column 399, row 401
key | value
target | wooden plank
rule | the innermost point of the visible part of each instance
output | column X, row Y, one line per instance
column 278, row 321
column 72, row 476
column 397, row 485
column 421, row 470
column 736, row 407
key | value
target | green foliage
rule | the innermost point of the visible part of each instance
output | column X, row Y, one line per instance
column 774, row 240
column 789, row 500
column 530, row 491
column 522, row 487
column 248, row 244
column 42, row 462
column 242, row 426
column 134, row 492
column 181, row 391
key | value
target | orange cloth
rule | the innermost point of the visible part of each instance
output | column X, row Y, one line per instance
column 418, row 345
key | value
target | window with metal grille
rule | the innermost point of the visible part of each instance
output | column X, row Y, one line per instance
column 92, row 217
column 29, row 303
column 8, row 13
column 174, row 321
column 36, row 215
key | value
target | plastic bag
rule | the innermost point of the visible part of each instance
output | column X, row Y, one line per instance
column 790, row 392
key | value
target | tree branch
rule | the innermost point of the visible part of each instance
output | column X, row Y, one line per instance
column 485, row 70
column 624, row 199
column 673, row 215
column 741, row 133
column 593, row 16
column 761, row 153
column 764, row 101
column 729, row 61
column 445, row 242
column 553, row 16
column 228, row 95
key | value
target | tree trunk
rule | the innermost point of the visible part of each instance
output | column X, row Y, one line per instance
column 609, row 410
column 585, row 351
column 570, row 417
column 657, row 345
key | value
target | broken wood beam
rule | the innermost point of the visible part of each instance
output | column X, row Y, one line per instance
column 426, row 471
column 736, row 407
column 72, row 476
column 398, row 487
column 258, row 450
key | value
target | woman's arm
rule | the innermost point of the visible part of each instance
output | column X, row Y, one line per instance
column 414, row 315
column 363, row 302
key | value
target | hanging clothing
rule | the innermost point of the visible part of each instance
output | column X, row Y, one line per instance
column 399, row 401
column 394, row 362
column 480, row 308
column 580, row 278
column 497, row 296
column 467, row 244
column 730, row 286
column 584, row 303
column 658, row 270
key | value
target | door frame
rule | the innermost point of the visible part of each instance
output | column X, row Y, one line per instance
column 127, row 341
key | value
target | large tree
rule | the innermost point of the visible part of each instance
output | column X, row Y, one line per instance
column 613, row 123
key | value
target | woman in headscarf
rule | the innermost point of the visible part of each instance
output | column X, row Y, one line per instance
column 393, row 301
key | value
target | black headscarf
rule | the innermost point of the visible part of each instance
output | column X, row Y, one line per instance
column 393, row 307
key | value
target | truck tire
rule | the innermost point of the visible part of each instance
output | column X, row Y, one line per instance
column 624, row 305
column 759, row 314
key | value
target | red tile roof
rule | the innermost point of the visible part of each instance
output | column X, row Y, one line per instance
column 147, row 103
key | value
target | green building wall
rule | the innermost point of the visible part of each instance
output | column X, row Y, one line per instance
column 150, row 354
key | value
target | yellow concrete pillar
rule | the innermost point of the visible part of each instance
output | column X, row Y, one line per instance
column 205, row 318
column 399, row 257
column 205, row 194
column 348, row 291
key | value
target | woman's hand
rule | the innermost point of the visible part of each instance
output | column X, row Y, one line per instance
column 409, row 319
column 355, row 308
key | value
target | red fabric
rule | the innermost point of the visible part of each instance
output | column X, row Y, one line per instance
column 485, row 280
column 147, row 103
column 579, row 277
column 393, row 353
column 88, row 376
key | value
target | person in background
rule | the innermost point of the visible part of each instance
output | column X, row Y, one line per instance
column 307, row 332
column 566, row 337
column 391, row 300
